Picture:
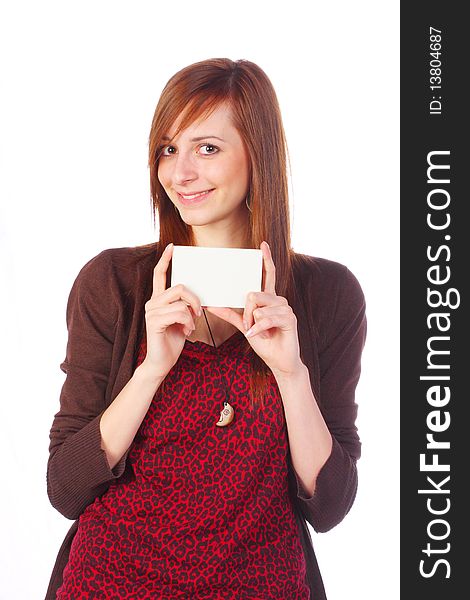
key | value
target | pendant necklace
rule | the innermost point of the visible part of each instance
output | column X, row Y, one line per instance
column 227, row 413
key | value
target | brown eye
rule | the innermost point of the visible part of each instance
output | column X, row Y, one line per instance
column 210, row 149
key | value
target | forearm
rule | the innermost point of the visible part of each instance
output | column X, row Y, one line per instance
column 121, row 420
column 310, row 441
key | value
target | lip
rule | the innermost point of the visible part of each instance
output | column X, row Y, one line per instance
column 198, row 200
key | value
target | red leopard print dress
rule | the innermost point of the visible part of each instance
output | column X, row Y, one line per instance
column 203, row 512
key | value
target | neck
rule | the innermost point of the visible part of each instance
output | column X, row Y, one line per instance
column 222, row 237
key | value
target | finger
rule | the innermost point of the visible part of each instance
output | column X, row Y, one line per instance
column 159, row 272
column 269, row 269
column 260, row 326
column 180, row 317
column 181, row 292
column 278, row 319
column 175, row 292
column 255, row 300
column 178, row 308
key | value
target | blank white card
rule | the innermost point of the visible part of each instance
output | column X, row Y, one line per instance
column 218, row 276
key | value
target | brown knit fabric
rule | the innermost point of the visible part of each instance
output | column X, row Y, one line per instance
column 105, row 315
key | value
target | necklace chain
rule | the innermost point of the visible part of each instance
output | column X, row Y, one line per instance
column 227, row 405
column 208, row 326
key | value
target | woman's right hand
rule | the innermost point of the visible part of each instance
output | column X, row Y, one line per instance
column 168, row 319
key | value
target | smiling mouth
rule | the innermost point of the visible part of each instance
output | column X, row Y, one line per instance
column 194, row 199
column 195, row 195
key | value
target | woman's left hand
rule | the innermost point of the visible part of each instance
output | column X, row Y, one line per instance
column 274, row 325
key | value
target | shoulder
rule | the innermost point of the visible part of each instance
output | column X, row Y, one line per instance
column 330, row 294
column 114, row 278
column 325, row 276
column 119, row 265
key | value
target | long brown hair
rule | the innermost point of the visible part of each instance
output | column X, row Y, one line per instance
column 193, row 93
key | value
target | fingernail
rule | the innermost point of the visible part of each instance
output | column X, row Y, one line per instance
column 249, row 332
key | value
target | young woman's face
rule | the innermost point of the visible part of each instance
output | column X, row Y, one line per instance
column 208, row 156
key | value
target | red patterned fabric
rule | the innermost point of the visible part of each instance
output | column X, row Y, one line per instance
column 201, row 512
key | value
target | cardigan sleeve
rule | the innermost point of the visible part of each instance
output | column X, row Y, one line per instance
column 342, row 332
column 78, row 470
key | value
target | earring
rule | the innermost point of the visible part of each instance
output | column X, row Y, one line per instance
column 246, row 202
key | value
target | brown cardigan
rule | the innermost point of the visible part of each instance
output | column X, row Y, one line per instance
column 105, row 318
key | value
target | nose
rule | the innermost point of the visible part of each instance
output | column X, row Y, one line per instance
column 184, row 168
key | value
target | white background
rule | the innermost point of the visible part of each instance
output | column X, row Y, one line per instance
column 80, row 82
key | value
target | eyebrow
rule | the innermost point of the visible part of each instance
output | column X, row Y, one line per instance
column 197, row 139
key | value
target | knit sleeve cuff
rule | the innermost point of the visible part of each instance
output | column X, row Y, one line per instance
column 79, row 471
column 329, row 464
column 89, row 458
column 335, row 490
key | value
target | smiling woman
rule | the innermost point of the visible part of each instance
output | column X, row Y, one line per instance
column 166, row 504
column 214, row 179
